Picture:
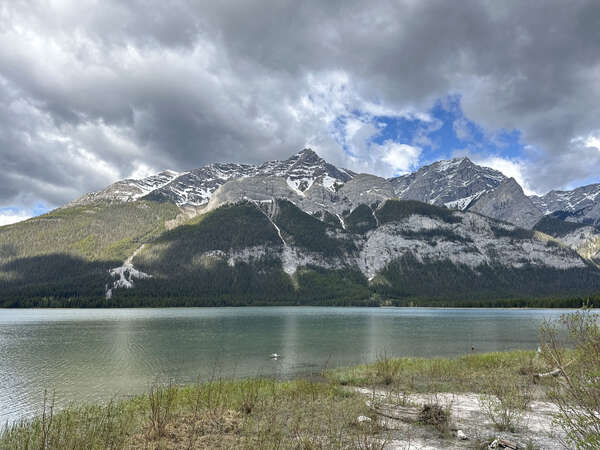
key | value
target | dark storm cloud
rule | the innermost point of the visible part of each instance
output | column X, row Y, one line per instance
column 94, row 92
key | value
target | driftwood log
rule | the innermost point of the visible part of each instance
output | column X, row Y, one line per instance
column 403, row 413
column 552, row 373
column 503, row 443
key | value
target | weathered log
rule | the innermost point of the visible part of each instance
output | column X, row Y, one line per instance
column 503, row 443
column 507, row 444
column 402, row 413
column 552, row 373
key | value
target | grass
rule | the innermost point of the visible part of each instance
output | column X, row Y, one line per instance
column 467, row 373
column 266, row 413
column 257, row 413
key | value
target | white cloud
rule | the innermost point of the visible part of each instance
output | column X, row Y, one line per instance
column 461, row 128
column 401, row 158
column 11, row 216
column 178, row 86
column 593, row 141
column 349, row 121
column 512, row 168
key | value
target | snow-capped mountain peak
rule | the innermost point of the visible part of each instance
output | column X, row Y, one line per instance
column 579, row 205
column 196, row 187
column 453, row 183
column 456, row 184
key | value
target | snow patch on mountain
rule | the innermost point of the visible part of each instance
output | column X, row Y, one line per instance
column 463, row 203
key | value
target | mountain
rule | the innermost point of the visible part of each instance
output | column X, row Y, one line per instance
column 315, row 185
column 455, row 183
column 301, row 231
column 580, row 205
column 585, row 239
column 195, row 188
column 128, row 190
column 508, row 202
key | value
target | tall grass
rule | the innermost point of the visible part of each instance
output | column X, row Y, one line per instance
column 256, row 413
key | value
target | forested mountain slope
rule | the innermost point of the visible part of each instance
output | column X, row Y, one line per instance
column 272, row 252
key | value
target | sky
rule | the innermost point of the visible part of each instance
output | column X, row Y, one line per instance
column 96, row 91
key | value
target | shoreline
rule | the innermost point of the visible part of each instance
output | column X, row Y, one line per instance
column 339, row 397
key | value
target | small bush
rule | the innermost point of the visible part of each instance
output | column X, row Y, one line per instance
column 386, row 369
column 436, row 415
column 505, row 401
column 161, row 399
column 576, row 391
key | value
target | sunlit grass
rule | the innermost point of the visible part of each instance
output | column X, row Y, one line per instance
column 461, row 374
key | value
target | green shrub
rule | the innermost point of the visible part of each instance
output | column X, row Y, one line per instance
column 576, row 391
column 504, row 401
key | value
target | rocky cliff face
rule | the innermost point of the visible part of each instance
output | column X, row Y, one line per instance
column 580, row 205
column 454, row 184
column 471, row 240
column 195, row 188
column 401, row 228
column 459, row 252
column 508, row 202
column 318, row 187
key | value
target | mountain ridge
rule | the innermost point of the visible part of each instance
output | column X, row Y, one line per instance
column 302, row 231
column 457, row 183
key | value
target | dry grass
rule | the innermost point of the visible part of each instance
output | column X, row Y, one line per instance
column 437, row 416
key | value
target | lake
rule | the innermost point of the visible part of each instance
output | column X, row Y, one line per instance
column 99, row 354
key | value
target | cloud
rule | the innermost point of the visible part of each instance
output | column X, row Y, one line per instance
column 512, row 168
column 461, row 129
column 401, row 158
column 8, row 216
column 86, row 99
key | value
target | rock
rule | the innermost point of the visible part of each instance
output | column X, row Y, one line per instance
column 367, row 189
column 364, row 419
column 579, row 205
column 508, row 202
column 461, row 435
column 454, row 183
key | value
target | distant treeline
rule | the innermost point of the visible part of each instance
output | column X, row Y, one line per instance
column 574, row 302
column 233, row 301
